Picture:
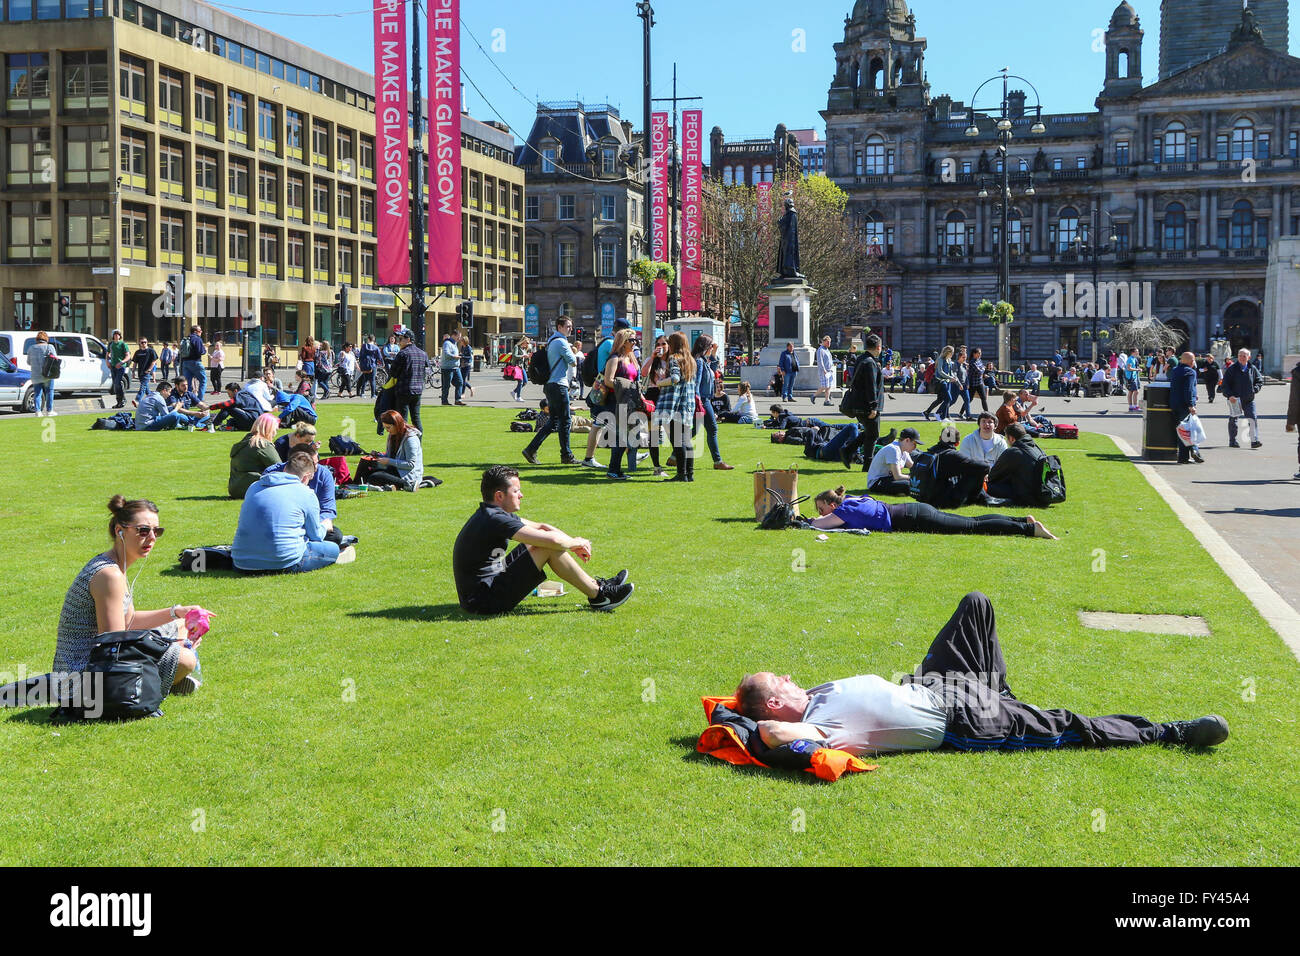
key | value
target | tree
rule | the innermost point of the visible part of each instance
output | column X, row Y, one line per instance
column 833, row 255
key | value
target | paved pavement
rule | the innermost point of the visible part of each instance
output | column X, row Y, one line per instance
column 1248, row 497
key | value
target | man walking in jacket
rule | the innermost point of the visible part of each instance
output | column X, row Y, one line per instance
column 409, row 369
column 192, row 352
column 368, row 359
column 1242, row 381
column 789, row 365
column 867, row 398
column 560, row 358
column 1182, row 399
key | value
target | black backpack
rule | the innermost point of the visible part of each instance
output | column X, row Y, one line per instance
column 345, row 446
column 783, row 514
column 539, row 366
column 1052, row 491
column 923, row 481
column 52, row 367
column 589, row 369
column 121, row 679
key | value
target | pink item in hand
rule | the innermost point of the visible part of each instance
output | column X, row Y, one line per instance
column 196, row 623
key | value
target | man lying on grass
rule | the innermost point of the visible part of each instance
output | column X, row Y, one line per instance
column 492, row 579
column 958, row 699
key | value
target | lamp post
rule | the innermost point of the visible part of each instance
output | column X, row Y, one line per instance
column 1089, row 247
column 646, row 13
column 1005, row 135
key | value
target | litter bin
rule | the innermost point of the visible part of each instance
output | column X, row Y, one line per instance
column 478, row 362
column 1159, row 430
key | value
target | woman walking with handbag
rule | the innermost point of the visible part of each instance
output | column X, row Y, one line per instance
column 944, row 371
column 619, row 375
column 675, row 409
column 38, row 353
column 466, row 364
column 651, row 371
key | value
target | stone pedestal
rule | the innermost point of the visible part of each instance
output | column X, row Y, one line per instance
column 789, row 320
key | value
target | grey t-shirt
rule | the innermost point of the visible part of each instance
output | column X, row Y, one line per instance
column 869, row 715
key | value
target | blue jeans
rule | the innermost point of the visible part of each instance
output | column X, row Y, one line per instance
column 965, row 399
column 192, row 371
column 450, row 377
column 44, row 396
column 367, row 377
column 831, row 450
column 787, row 386
column 710, row 432
column 145, row 380
column 119, row 384
column 557, row 395
column 319, row 554
column 323, row 380
column 519, row 390
column 170, row 420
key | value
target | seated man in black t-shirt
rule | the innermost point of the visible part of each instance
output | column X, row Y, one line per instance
column 492, row 579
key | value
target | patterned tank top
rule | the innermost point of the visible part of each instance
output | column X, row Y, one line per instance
column 78, row 623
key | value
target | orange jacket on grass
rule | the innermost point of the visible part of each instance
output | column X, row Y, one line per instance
column 721, row 741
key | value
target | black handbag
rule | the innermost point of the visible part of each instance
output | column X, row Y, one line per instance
column 121, row 679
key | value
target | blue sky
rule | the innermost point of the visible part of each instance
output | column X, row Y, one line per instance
column 742, row 57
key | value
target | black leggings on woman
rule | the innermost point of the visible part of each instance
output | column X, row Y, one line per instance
column 368, row 473
column 928, row 519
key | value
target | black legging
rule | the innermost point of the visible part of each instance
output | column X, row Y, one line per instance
column 927, row 519
column 368, row 473
column 215, row 374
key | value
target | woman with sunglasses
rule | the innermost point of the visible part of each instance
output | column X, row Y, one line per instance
column 100, row 600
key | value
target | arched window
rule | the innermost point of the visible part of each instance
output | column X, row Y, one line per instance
column 954, row 234
column 874, row 230
column 1243, row 140
column 1123, row 65
column 566, row 311
column 769, row 174
column 1242, row 225
column 875, row 156
column 1024, row 165
column 1067, row 229
column 726, row 176
column 1175, row 144
column 897, row 73
column 877, row 78
column 758, row 175
column 1175, row 229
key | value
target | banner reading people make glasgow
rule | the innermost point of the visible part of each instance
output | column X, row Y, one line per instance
column 692, row 207
column 659, row 147
column 445, row 266
column 393, row 174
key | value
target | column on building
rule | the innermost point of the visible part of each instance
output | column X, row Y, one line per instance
column 1203, row 325
column 1203, row 232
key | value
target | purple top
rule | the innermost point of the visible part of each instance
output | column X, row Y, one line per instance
column 864, row 513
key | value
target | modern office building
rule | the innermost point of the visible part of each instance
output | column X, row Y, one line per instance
column 1180, row 186
column 145, row 140
column 812, row 151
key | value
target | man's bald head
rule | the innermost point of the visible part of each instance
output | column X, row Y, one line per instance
column 1188, row 358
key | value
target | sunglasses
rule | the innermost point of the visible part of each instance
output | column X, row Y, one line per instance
column 144, row 530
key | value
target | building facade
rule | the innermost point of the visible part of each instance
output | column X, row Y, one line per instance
column 145, row 140
column 1179, row 187
column 812, row 151
column 1191, row 31
column 754, row 161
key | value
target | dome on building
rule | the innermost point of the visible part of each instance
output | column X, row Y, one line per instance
column 893, row 10
column 1124, row 16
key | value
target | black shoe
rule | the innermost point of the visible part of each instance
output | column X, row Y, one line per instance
column 846, row 455
column 1257, row 444
column 616, row 581
column 349, row 540
column 1197, row 456
column 530, row 457
column 1233, row 444
column 1204, row 732
column 887, row 439
column 569, row 461
column 927, row 415
column 611, row 596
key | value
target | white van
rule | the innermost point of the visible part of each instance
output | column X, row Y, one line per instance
column 85, row 359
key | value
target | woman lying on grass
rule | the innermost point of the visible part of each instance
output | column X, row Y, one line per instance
column 100, row 601
column 839, row 510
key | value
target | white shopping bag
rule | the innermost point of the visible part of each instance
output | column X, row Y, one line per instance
column 1190, row 431
column 1234, row 407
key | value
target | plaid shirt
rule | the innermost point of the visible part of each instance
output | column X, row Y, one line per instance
column 410, row 368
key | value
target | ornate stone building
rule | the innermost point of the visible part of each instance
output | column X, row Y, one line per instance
column 1182, row 184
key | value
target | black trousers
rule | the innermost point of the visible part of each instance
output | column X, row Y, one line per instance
column 915, row 516
column 409, row 406
column 965, row 667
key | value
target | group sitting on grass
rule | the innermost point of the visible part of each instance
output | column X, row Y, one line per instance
column 958, row 699
column 281, row 528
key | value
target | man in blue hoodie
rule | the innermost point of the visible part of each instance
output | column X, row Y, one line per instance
column 280, row 527
column 1182, row 399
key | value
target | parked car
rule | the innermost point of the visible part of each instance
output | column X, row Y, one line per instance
column 85, row 359
column 16, row 386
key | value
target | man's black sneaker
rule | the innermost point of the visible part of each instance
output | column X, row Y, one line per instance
column 616, row 581
column 846, row 456
column 569, row 461
column 1257, row 444
column 1205, row 732
column 610, row 596
column 1233, row 444
column 530, row 457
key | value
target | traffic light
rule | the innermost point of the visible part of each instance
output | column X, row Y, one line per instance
column 65, row 305
column 174, row 295
column 579, row 335
column 465, row 314
column 341, row 309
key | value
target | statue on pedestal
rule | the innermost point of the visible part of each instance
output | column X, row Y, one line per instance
column 787, row 258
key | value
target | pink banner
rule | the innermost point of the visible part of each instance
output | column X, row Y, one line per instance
column 445, row 266
column 393, row 171
column 659, row 147
column 692, row 207
column 764, row 204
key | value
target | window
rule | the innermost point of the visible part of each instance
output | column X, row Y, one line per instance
column 85, row 80
column 1243, row 140
column 237, row 249
column 954, row 299
column 171, row 239
column 345, row 262
column 1221, row 147
column 367, row 213
column 20, row 10
column 133, row 160
column 268, row 191
column 205, row 177
column 268, row 253
column 954, row 234
column 343, row 147
column 1057, row 164
column 475, row 231
column 237, row 117
column 293, row 133
column 608, row 259
column 568, row 258
column 320, row 143
column 171, row 169
column 1067, row 229
column 30, row 162
column 532, row 259
column 489, row 240
column 29, row 83
column 368, row 266
column 237, row 184
column 29, row 231
column 608, row 208
column 548, row 159
column 171, row 105
column 267, row 137
column 205, row 244
column 727, row 176
column 531, row 207
column 1081, row 162
column 295, row 256
column 1174, row 231
column 1123, row 237
column 345, row 207
column 1293, row 145
column 875, row 156
column 86, row 155
column 1175, row 144
column 1122, row 153
column 320, row 203
column 567, row 205
column 296, row 196
column 1242, row 225
column 135, row 233
column 366, row 158
column 205, row 109
column 608, row 160
column 131, row 86
column 320, row 260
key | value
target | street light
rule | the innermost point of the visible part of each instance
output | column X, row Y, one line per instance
column 1005, row 135
column 1093, row 250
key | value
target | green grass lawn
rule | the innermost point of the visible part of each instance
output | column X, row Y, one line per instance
column 560, row 736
